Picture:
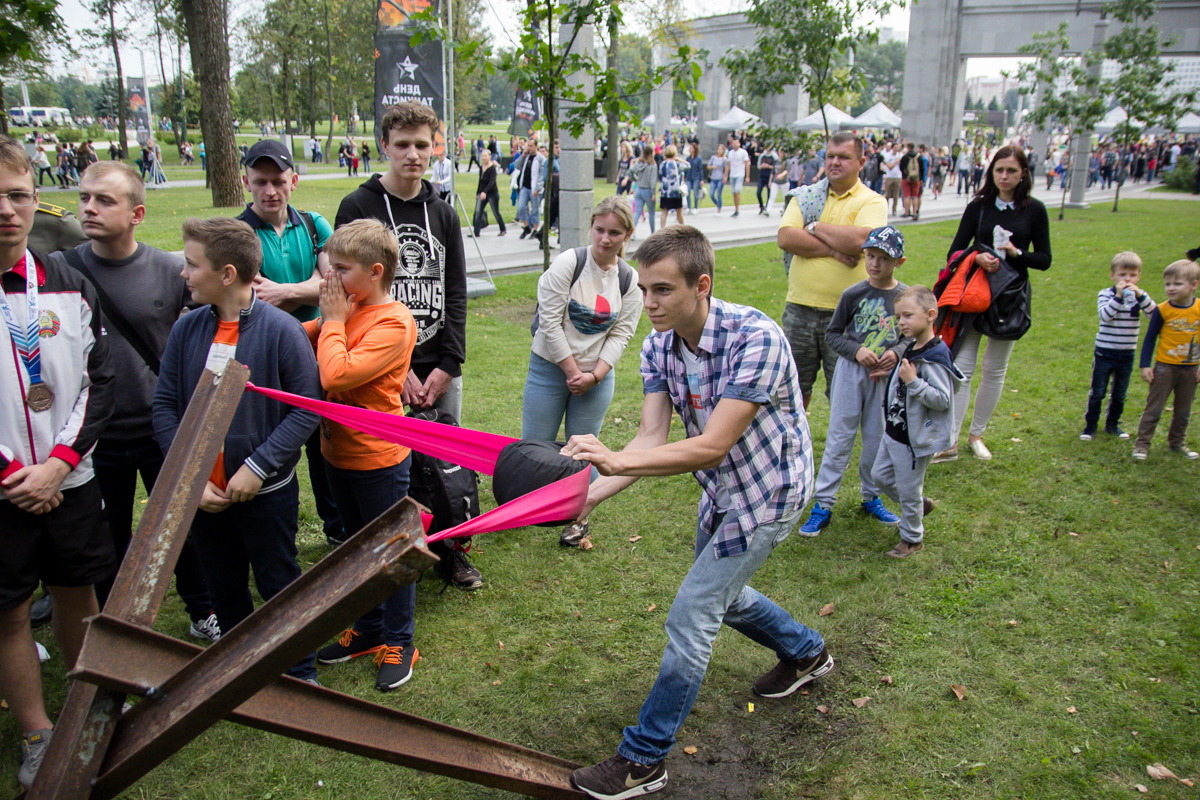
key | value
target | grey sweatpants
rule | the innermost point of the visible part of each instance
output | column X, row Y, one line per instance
column 855, row 402
column 905, row 484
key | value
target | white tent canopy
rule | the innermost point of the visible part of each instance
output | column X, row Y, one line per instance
column 733, row 119
column 1188, row 123
column 814, row 122
column 877, row 116
column 1112, row 119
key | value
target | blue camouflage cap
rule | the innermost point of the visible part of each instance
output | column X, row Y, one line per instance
column 887, row 239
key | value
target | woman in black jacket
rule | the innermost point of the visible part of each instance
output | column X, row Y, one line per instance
column 486, row 193
column 1004, row 216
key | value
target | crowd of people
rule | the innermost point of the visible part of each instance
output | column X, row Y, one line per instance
column 370, row 312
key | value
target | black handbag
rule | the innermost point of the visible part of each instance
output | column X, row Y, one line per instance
column 1010, row 314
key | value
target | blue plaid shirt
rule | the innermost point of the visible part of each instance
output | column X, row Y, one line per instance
column 743, row 356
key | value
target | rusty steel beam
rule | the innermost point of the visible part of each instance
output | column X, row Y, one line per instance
column 134, row 660
column 388, row 553
column 86, row 724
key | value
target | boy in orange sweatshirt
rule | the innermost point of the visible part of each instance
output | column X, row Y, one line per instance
column 364, row 342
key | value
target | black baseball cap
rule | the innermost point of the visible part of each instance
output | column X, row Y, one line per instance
column 269, row 148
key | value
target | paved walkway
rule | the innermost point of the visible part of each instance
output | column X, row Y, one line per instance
column 511, row 254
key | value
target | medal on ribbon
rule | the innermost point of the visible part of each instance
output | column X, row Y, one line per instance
column 38, row 396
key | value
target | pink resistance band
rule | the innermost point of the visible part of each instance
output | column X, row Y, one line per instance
column 477, row 450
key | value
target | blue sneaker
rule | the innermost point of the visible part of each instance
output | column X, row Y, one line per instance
column 876, row 509
column 817, row 520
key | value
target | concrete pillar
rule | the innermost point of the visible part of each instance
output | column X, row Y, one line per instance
column 661, row 96
column 1039, row 140
column 577, row 159
column 1082, row 144
column 933, row 74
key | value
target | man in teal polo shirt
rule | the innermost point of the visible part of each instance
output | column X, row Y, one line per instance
column 293, row 264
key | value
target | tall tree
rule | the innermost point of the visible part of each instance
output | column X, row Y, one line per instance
column 111, row 36
column 210, row 63
column 1067, row 89
column 882, row 68
column 546, row 63
column 1144, row 85
column 26, row 29
column 806, row 42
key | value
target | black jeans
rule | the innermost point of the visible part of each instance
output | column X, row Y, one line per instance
column 362, row 496
column 259, row 535
column 481, row 206
column 118, row 462
column 1106, row 363
column 764, row 182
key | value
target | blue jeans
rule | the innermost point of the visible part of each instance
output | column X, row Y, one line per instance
column 547, row 399
column 528, row 208
column 714, row 591
column 643, row 200
column 716, row 187
column 694, row 193
column 361, row 496
column 1105, row 363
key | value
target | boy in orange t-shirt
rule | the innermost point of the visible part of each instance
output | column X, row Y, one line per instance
column 364, row 342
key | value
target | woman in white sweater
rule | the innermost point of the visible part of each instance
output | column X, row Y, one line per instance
column 583, row 327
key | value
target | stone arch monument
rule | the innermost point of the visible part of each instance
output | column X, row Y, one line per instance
column 718, row 35
column 943, row 34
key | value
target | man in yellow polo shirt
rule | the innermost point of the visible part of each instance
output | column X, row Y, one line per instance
column 828, row 257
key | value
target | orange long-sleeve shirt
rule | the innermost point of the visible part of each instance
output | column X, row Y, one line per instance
column 364, row 363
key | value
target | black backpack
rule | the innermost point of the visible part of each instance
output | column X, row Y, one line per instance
column 625, row 273
column 449, row 491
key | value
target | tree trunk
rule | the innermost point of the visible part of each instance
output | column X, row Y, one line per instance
column 329, row 62
column 3, row 106
column 122, row 103
column 614, row 118
column 210, row 62
column 285, row 73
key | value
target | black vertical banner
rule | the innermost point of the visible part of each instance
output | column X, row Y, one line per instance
column 404, row 71
column 135, row 96
column 527, row 110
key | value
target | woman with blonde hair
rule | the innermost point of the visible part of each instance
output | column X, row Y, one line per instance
column 672, row 173
column 588, row 309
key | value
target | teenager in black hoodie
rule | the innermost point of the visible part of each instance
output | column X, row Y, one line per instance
column 431, row 278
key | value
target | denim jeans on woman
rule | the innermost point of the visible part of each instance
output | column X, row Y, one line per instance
column 643, row 200
column 547, row 400
column 693, row 198
column 715, row 591
column 716, row 187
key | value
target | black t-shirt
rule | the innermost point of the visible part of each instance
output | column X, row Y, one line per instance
column 766, row 165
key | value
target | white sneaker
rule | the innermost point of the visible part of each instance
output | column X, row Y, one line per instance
column 43, row 653
column 207, row 629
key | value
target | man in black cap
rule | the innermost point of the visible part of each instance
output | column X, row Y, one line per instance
column 291, row 273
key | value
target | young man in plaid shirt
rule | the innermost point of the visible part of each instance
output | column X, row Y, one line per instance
column 728, row 372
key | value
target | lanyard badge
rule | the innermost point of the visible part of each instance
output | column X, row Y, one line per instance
column 38, row 396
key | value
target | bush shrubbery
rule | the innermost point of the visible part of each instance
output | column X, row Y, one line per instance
column 1183, row 177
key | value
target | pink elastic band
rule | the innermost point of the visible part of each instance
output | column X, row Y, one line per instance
column 477, row 450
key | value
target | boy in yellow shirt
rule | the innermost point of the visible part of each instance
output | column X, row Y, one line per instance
column 364, row 342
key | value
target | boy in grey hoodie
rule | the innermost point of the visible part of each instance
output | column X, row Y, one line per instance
column 918, row 414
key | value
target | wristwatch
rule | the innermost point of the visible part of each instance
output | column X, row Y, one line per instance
column 811, row 227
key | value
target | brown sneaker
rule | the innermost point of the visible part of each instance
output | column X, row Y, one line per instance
column 927, row 506
column 904, row 550
column 788, row 676
column 945, row 456
column 619, row 778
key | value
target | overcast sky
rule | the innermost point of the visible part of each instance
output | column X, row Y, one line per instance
column 77, row 17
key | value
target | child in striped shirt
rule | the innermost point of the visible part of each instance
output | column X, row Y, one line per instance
column 1118, row 306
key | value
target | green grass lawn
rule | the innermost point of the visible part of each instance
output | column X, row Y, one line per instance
column 1060, row 585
